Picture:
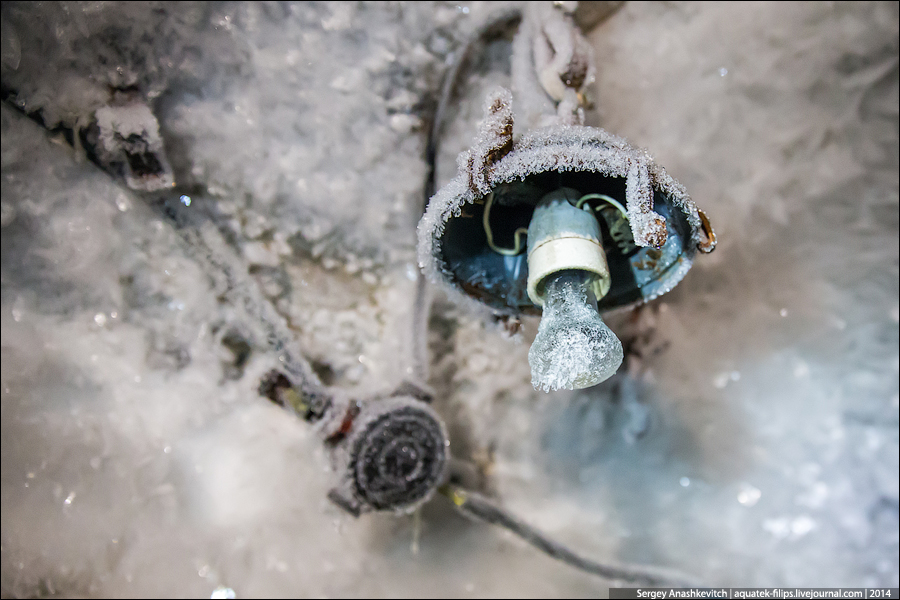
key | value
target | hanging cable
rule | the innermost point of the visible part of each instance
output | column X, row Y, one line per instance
column 480, row 508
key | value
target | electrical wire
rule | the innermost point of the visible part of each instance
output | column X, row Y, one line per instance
column 605, row 198
column 521, row 231
column 480, row 508
column 486, row 221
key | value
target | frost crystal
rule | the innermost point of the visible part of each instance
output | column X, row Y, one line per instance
column 573, row 348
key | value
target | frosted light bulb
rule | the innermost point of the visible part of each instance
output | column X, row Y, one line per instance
column 573, row 348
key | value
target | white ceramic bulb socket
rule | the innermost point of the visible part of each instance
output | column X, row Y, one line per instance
column 560, row 238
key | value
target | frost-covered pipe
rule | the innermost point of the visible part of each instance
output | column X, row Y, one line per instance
column 552, row 66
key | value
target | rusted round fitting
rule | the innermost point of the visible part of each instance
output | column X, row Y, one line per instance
column 393, row 458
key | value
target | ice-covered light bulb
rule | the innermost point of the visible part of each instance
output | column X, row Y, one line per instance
column 573, row 348
column 567, row 273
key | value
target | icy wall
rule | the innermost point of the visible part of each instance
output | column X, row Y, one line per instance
column 755, row 441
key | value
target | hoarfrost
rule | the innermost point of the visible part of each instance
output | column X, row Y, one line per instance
column 573, row 348
column 175, row 463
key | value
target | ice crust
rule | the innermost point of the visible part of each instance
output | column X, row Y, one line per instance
column 573, row 348
column 750, row 437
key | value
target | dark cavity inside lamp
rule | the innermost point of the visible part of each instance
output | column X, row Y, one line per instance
column 636, row 274
column 648, row 250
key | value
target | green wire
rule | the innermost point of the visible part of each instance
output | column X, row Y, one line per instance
column 612, row 201
column 517, row 236
column 486, row 221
